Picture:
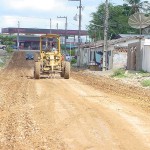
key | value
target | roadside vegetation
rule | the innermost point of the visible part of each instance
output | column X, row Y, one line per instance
column 7, row 40
column 4, row 60
column 145, row 83
column 9, row 49
column 140, row 77
column 119, row 73
column 6, row 55
column 73, row 61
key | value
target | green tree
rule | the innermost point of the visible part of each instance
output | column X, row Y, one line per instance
column 7, row 40
column 118, row 22
column 137, row 6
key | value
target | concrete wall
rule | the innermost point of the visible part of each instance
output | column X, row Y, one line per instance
column 119, row 60
column 83, row 57
column 146, row 56
column 134, row 56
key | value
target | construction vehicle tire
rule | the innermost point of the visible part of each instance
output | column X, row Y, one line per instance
column 67, row 70
column 37, row 70
column 62, row 69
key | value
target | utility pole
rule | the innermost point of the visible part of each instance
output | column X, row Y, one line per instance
column 57, row 26
column 65, row 30
column 79, row 31
column 50, row 31
column 18, row 35
column 105, row 36
column 79, row 34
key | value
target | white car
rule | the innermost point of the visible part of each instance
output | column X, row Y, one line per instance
column 68, row 57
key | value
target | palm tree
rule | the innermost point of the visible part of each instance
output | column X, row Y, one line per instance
column 137, row 6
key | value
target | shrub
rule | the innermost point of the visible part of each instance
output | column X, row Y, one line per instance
column 1, row 64
column 119, row 73
column 73, row 61
column 9, row 49
column 144, row 73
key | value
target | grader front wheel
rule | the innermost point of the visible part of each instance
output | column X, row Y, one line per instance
column 37, row 70
column 67, row 70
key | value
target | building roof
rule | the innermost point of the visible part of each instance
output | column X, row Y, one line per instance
column 112, row 42
column 43, row 31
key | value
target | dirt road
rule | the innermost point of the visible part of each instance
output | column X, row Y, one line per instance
column 59, row 114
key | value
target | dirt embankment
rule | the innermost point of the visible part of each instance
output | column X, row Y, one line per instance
column 138, row 96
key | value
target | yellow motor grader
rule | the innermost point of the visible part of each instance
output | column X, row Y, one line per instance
column 50, row 60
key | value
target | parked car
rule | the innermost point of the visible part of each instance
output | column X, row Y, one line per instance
column 29, row 56
column 14, row 47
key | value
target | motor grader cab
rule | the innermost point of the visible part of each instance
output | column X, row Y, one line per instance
column 50, row 60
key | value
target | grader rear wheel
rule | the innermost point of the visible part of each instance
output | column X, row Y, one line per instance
column 37, row 70
column 62, row 69
column 67, row 70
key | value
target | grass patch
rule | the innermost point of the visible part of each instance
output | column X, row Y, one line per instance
column 119, row 73
column 144, row 73
column 4, row 60
column 1, row 65
column 145, row 83
column 73, row 61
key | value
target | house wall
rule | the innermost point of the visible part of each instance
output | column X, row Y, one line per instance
column 84, row 57
column 131, row 59
column 93, row 57
column 119, row 60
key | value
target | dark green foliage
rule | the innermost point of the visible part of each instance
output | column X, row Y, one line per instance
column 7, row 40
column 73, row 61
column 118, row 19
column 137, row 6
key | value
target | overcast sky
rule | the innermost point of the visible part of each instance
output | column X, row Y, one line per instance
column 37, row 13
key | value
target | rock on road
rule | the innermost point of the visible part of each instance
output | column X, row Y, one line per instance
column 59, row 114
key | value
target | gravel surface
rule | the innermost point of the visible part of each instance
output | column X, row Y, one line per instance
column 86, row 112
